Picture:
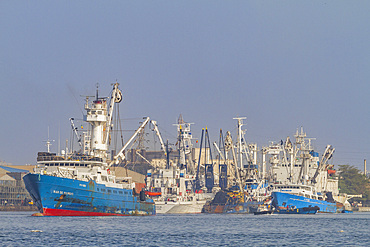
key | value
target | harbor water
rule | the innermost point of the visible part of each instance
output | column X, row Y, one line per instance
column 21, row 229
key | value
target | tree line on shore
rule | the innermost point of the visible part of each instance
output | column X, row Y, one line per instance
column 353, row 182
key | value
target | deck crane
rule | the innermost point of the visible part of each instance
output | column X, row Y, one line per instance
column 74, row 129
column 115, row 98
column 223, row 168
column 208, row 165
column 219, row 151
column 230, row 146
column 120, row 156
column 155, row 128
column 328, row 154
column 141, row 156
column 245, row 149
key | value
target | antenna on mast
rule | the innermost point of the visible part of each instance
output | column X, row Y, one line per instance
column 48, row 142
column 97, row 91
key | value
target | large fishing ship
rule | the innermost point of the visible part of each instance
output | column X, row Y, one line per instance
column 300, row 199
column 82, row 183
column 300, row 179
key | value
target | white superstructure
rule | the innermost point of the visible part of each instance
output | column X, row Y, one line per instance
column 173, row 188
column 91, row 161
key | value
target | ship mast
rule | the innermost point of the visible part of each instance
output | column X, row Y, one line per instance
column 100, row 119
column 184, row 142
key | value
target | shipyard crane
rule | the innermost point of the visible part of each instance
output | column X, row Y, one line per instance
column 120, row 156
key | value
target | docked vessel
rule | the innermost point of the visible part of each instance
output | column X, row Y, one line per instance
column 300, row 178
column 243, row 190
column 173, row 192
column 300, row 199
column 82, row 183
column 173, row 188
column 231, row 201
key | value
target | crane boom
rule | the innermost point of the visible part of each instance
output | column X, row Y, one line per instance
column 115, row 98
column 159, row 136
column 218, row 150
column 141, row 156
column 324, row 159
column 75, row 131
column 120, row 156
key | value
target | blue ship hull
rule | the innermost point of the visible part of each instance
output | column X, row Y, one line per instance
column 55, row 196
column 285, row 202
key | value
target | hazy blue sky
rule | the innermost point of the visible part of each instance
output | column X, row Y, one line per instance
column 282, row 64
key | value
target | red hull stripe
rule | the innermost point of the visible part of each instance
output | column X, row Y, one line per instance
column 63, row 212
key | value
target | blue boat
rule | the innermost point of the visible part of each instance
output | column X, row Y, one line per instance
column 301, row 198
column 56, row 196
column 80, row 183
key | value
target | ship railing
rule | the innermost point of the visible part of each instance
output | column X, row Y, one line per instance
column 67, row 172
column 124, row 181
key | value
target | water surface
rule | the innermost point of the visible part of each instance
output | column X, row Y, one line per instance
column 20, row 229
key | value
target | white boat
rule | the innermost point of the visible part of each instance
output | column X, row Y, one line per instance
column 193, row 206
column 173, row 188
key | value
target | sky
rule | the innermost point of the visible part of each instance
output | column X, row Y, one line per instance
column 281, row 64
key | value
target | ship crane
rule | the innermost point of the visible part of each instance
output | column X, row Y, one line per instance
column 141, row 156
column 208, row 162
column 115, row 98
column 155, row 128
column 120, row 156
column 74, row 129
column 245, row 149
column 219, row 151
column 328, row 154
column 223, row 168
column 230, row 146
